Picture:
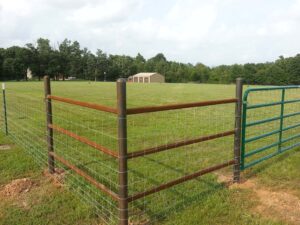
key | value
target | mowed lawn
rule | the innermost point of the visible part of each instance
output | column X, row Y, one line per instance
column 205, row 200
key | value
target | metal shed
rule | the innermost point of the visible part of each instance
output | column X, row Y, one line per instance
column 147, row 78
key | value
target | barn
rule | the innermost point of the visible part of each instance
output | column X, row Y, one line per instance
column 147, row 78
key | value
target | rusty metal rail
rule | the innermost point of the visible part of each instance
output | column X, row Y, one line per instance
column 84, row 140
column 178, row 144
column 180, row 180
column 84, row 104
column 178, row 106
column 100, row 186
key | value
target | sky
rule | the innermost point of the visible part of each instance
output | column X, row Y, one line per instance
column 212, row 32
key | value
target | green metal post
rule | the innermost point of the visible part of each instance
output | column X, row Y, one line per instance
column 244, row 121
column 281, row 119
column 4, row 109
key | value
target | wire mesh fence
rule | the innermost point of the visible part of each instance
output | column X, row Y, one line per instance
column 164, row 147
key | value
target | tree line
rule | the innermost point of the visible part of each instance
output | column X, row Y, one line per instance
column 69, row 59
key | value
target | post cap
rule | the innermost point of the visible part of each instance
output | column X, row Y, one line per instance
column 121, row 80
column 3, row 86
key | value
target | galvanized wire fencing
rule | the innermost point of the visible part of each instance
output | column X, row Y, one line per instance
column 22, row 118
column 132, row 164
column 78, row 165
column 139, row 165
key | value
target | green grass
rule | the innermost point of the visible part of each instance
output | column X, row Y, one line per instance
column 194, row 202
column 45, row 203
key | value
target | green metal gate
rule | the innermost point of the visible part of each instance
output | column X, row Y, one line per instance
column 270, row 123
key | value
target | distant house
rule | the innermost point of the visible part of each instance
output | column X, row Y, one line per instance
column 29, row 74
column 71, row 78
column 147, row 78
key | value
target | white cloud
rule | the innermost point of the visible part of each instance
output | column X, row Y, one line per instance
column 213, row 32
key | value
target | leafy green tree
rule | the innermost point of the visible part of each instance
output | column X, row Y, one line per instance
column 44, row 51
column 71, row 60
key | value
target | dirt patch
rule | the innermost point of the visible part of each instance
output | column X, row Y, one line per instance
column 245, row 184
column 224, row 179
column 274, row 204
column 138, row 217
column 5, row 147
column 57, row 178
column 279, row 204
column 17, row 187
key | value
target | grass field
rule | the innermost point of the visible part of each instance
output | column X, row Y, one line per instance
column 205, row 200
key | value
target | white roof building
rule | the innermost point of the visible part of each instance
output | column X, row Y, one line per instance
column 147, row 78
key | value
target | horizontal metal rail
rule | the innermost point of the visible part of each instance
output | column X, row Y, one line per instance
column 177, row 144
column 84, row 140
column 291, row 127
column 260, row 160
column 270, row 88
column 180, row 180
column 261, row 149
column 274, row 144
column 98, row 185
column 272, row 104
column 178, row 106
column 271, row 119
column 290, row 147
column 84, row 104
column 290, row 138
column 271, row 155
column 262, row 136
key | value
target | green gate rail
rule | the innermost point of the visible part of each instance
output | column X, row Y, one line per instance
column 281, row 128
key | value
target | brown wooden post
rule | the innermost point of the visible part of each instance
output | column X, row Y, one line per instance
column 122, row 141
column 238, row 130
column 48, row 103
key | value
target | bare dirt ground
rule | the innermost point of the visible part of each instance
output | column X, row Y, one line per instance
column 17, row 187
column 16, row 191
column 4, row 147
column 57, row 178
column 281, row 205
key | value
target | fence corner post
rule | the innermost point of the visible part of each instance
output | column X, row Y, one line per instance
column 122, row 143
column 47, row 88
column 4, row 109
column 238, row 131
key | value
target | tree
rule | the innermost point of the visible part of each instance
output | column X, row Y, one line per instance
column 101, row 65
column 44, row 51
column 70, row 60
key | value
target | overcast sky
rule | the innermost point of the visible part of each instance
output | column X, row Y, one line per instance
column 209, row 31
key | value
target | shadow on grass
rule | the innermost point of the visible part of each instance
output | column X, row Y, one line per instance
column 178, row 200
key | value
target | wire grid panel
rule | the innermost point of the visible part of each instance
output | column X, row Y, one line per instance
column 101, row 128
column 145, row 130
column 26, row 121
column 27, row 127
column 263, row 113
column 2, row 119
column 150, row 171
